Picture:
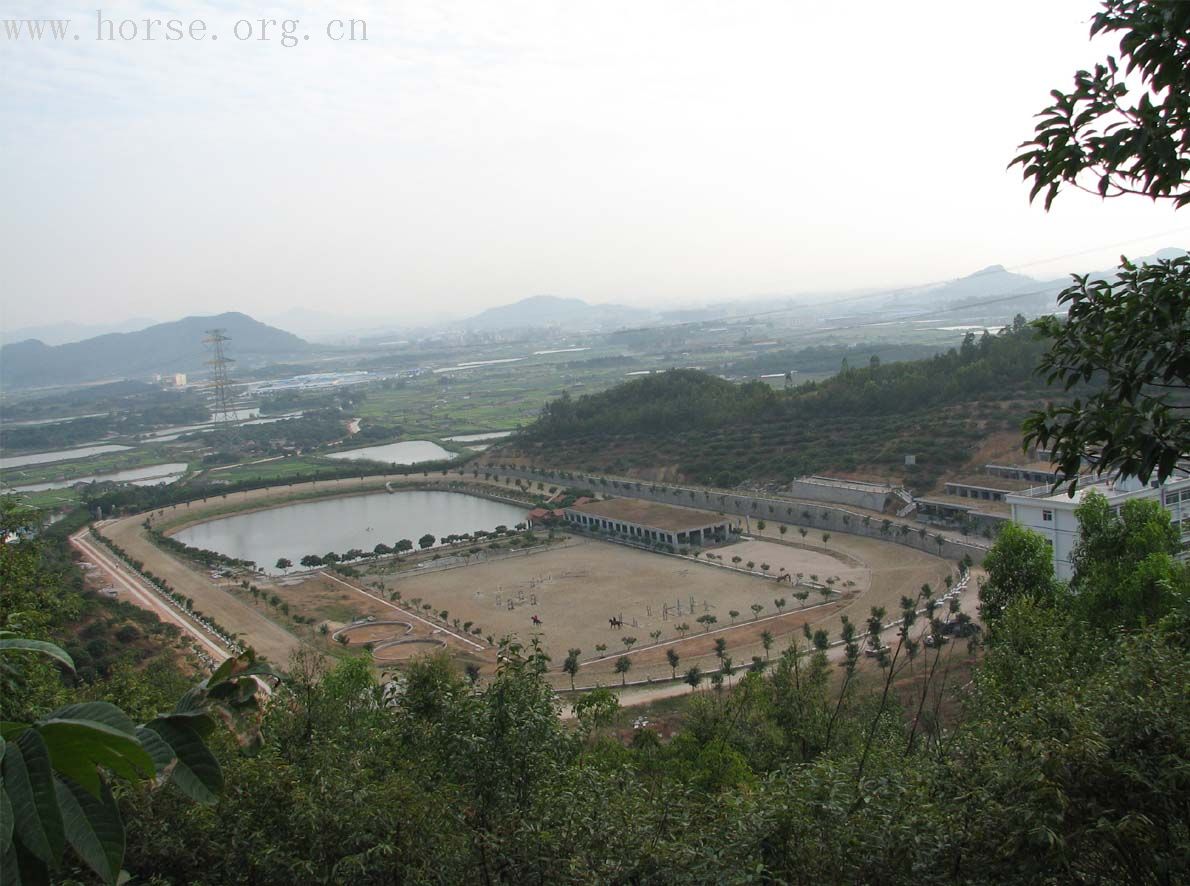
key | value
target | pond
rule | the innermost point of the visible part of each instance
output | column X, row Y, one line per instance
column 478, row 438
column 409, row 452
column 41, row 458
column 148, row 476
column 340, row 524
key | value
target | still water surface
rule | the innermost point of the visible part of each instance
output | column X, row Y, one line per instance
column 409, row 452
column 339, row 524
column 149, row 476
column 41, row 458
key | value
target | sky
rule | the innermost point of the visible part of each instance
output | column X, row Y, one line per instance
column 474, row 152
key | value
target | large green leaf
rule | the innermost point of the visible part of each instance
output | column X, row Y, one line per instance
column 193, row 703
column 77, row 747
column 100, row 711
column 196, row 772
column 163, row 755
column 21, row 644
column 10, row 872
column 29, row 782
column 93, row 828
column 7, row 818
column 10, row 729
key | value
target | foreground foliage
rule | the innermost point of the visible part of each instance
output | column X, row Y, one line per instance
column 1123, row 130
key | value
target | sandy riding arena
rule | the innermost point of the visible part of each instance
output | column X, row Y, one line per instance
column 590, row 594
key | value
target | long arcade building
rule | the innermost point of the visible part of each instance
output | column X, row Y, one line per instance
column 651, row 521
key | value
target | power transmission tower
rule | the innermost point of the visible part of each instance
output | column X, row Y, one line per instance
column 220, row 382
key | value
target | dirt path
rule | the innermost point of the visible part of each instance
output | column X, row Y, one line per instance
column 268, row 638
column 405, row 613
column 134, row 591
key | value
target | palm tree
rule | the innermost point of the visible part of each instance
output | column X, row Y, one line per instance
column 756, row 610
column 628, row 642
column 654, row 636
column 601, row 648
column 734, row 613
column 683, row 629
column 826, row 537
column 671, row 655
column 802, row 530
column 780, row 603
column 571, row 665
column 623, row 666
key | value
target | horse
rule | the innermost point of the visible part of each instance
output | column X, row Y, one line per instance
column 536, row 620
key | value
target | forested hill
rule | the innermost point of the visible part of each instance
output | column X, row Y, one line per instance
column 164, row 348
column 869, row 416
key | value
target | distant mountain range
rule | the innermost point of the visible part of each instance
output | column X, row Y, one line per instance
column 163, row 348
column 995, row 285
column 66, row 332
column 572, row 314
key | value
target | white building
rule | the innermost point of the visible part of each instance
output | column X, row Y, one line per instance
column 1052, row 515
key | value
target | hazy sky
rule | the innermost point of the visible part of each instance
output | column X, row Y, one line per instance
column 475, row 152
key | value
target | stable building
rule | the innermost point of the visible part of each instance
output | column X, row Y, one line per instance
column 650, row 522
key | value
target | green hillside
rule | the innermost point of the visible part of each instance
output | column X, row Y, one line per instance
column 864, row 418
column 164, row 348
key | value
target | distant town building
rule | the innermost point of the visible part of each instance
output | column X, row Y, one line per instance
column 1052, row 514
column 179, row 380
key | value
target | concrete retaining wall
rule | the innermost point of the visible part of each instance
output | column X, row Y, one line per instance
column 750, row 507
column 857, row 495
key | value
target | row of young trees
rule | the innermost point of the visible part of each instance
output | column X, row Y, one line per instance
column 201, row 556
column 171, row 595
column 518, row 535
